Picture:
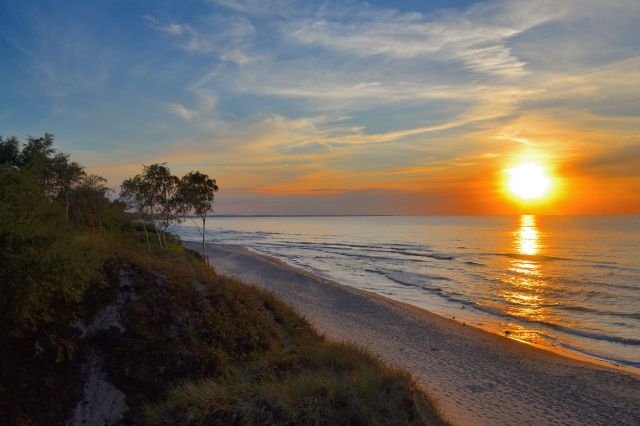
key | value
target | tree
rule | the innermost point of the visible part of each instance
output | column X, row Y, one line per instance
column 161, row 187
column 10, row 152
column 46, row 266
column 196, row 194
column 135, row 194
column 90, row 201
column 153, row 195
column 66, row 175
column 53, row 169
column 37, row 149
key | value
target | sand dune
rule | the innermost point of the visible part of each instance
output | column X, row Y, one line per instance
column 476, row 377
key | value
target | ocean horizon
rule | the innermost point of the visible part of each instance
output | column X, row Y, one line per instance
column 565, row 283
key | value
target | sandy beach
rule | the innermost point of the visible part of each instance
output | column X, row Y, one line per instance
column 475, row 377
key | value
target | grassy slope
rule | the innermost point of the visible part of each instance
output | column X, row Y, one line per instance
column 206, row 349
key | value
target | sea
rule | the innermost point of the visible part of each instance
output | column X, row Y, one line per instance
column 567, row 283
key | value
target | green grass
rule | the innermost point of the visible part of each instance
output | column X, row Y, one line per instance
column 198, row 348
column 205, row 349
column 322, row 384
column 238, row 355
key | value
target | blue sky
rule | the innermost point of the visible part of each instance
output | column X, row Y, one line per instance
column 329, row 107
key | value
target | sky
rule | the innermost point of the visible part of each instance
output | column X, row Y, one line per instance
column 338, row 107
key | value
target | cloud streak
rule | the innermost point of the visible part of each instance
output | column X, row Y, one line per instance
column 296, row 98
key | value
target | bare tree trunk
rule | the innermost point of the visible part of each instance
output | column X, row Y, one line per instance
column 146, row 235
column 159, row 238
column 66, row 203
column 204, row 232
column 164, row 237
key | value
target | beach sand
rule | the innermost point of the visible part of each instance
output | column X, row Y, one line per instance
column 474, row 376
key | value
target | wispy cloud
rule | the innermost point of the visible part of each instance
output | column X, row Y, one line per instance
column 476, row 38
column 291, row 98
column 171, row 28
column 223, row 36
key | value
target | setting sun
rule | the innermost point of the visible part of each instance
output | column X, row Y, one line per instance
column 529, row 181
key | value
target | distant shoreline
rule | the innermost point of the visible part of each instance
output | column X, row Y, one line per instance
column 475, row 375
column 419, row 215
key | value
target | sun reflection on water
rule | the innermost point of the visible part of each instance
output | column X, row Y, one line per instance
column 527, row 236
column 526, row 293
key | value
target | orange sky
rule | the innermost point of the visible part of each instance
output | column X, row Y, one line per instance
column 346, row 108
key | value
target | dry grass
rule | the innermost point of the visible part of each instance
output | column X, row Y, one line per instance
column 234, row 354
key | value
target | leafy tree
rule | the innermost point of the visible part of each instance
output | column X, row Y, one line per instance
column 134, row 194
column 37, row 149
column 10, row 152
column 161, row 190
column 53, row 169
column 153, row 196
column 196, row 195
column 90, row 201
column 45, row 267
column 66, row 175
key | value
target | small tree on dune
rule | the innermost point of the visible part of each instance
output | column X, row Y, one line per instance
column 134, row 193
column 67, row 175
column 196, row 193
column 153, row 195
column 90, row 202
column 162, row 189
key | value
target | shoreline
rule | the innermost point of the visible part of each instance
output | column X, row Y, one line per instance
column 417, row 310
column 474, row 375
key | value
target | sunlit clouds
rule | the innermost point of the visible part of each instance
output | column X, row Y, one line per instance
column 419, row 110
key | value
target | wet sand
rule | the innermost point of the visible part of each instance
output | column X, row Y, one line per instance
column 474, row 376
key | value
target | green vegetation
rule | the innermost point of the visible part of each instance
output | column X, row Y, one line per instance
column 195, row 348
column 159, row 198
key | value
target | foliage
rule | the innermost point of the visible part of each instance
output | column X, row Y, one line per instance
column 198, row 348
column 206, row 349
column 159, row 198
column 196, row 193
column 47, row 262
column 154, row 196
column 325, row 384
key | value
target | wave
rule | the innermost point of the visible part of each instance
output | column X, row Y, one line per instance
column 409, row 278
column 437, row 256
column 561, row 328
column 420, row 280
column 572, row 282
column 634, row 315
column 533, row 257
column 598, row 280
column 601, row 357
column 593, row 335
column 420, row 252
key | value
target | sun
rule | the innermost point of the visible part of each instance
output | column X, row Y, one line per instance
column 529, row 181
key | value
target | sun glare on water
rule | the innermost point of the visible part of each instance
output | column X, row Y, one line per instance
column 529, row 181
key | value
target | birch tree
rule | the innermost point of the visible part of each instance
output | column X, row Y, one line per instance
column 134, row 193
column 196, row 195
column 162, row 189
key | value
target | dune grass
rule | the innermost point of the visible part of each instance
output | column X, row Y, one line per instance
column 321, row 384
column 207, row 349
column 184, row 345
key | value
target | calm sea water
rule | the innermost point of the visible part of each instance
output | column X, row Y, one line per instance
column 569, row 283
